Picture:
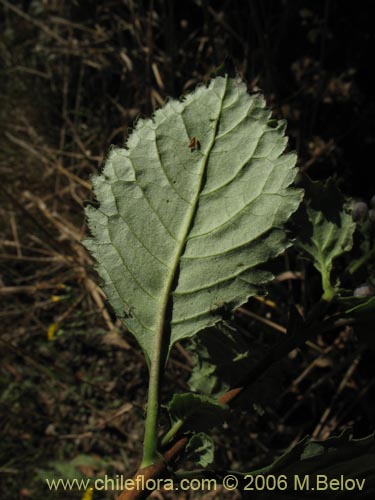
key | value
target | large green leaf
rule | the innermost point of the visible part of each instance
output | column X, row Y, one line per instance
column 325, row 228
column 190, row 210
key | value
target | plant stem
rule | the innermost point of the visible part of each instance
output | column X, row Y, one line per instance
column 172, row 432
column 150, row 453
column 150, row 442
column 329, row 291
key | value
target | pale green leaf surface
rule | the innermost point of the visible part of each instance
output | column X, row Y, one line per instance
column 185, row 231
column 325, row 227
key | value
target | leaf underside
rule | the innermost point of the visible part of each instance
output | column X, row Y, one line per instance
column 191, row 209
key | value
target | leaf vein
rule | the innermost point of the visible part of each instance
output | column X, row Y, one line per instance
column 166, row 175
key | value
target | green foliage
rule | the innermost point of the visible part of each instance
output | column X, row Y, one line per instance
column 68, row 387
column 190, row 210
column 221, row 356
column 200, row 449
column 189, row 214
column 325, row 228
column 334, row 457
column 198, row 412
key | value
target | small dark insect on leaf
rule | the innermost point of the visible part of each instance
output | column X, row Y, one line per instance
column 194, row 144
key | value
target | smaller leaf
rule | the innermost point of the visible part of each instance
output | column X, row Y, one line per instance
column 200, row 449
column 223, row 356
column 199, row 412
column 325, row 228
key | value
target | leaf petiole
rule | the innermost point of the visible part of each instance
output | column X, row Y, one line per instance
column 173, row 431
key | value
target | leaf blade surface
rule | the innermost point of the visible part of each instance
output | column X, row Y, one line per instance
column 182, row 231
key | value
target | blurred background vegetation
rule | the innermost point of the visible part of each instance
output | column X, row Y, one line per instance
column 74, row 77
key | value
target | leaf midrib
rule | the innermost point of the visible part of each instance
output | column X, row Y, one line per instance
column 159, row 350
column 159, row 330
